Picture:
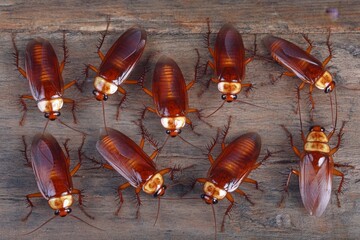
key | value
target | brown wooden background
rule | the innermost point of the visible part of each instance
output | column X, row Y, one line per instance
column 176, row 28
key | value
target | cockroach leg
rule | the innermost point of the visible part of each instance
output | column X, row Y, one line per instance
column 28, row 162
column 24, row 107
column 292, row 171
column 309, row 42
column 339, row 174
column 311, row 88
column 65, row 54
column 80, row 199
column 101, row 40
column 294, row 148
column 327, row 60
column 73, row 107
column 154, row 154
column 227, row 212
column 242, row 193
column 340, row 134
column 16, row 56
column 30, row 204
column 120, row 189
column 249, row 180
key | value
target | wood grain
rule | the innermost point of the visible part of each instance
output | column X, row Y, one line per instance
column 176, row 28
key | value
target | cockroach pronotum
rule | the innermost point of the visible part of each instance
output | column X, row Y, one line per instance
column 118, row 63
column 316, row 166
column 229, row 62
column 231, row 168
column 53, row 177
column 302, row 64
column 130, row 161
column 44, row 74
column 169, row 92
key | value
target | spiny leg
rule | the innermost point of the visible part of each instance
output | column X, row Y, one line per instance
column 309, row 42
column 30, row 204
column 101, row 40
column 242, row 193
column 250, row 59
column 298, row 89
column 120, row 189
column 224, row 133
column 24, row 107
column 198, row 114
column 340, row 134
column 137, row 193
column 73, row 107
column 327, row 60
column 80, row 199
column 227, row 212
column 249, row 88
column 211, row 146
column 292, row 171
column 252, row 181
column 288, row 74
column 123, row 92
column 195, row 71
column 16, row 56
column 339, row 174
column 28, row 163
column 294, row 148
column 311, row 88
column 65, row 52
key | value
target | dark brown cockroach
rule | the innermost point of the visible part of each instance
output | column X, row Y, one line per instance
column 316, row 167
column 231, row 168
column 169, row 93
column 229, row 62
column 53, row 177
column 130, row 161
column 44, row 73
column 302, row 64
column 118, row 63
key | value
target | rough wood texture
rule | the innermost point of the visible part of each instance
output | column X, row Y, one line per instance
column 176, row 28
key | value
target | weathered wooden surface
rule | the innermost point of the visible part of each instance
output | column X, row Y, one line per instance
column 175, row 29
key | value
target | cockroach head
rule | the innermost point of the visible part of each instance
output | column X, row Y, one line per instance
column 155, row 185
column 325, row 82
column 212, row 193
column 103, row 88
column 61, row 204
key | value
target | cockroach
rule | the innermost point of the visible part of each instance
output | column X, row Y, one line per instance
column 302, row 64
column 231, row 168
column 170, row 95
column 44, row 73
column 229, row 62
column 130, row 161
column 316, row 167
column 118, row 63
column 53, row 177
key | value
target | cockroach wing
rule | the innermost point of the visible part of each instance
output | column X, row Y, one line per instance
column 169, row 88
column 50, row 166
column 315, row 183
column 125, row 156
column 305, row 66
column 42, row 70
column 123, row 55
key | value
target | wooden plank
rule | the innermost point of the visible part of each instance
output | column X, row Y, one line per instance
column 176, row 29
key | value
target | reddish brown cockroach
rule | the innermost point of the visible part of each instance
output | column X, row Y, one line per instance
column 53, row 177
column 131, row 162
column 231, row 168
column 302, row 64
column 229, row 62
column 44, row 74
column 169, row 92
column 316, row 167
column 118, row 63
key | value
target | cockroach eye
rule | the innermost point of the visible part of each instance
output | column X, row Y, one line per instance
column 214, row 201
column 168, row 131
column 105, row 97
column 223, row 97
column 234, row 96
column 57, row 212
column 68, row 210
column 310, row 129
column 322, row 129
column 202, row 196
